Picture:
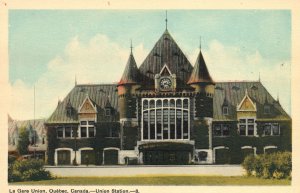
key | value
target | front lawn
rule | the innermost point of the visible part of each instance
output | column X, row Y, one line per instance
column 159, row 180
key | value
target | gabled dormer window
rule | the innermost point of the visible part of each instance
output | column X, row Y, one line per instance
column 267, row 109
column 225, row 110
column 107, row 112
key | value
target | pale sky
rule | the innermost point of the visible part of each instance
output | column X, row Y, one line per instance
column 47, row 48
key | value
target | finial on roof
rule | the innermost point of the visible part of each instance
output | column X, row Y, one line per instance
column 75, row 80
column 166, row 19
column 258, row 76
column 131, row 46
column 266, row 99
column 200, row 43
column 277, row 96
column 246, row 92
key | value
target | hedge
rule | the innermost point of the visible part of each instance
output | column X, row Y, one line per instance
column 27, row 170
column 276, row 165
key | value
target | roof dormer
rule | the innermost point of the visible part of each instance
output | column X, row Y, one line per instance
column 87, row 110
column 246, row 104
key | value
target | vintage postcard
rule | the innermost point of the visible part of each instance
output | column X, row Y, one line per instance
column 114, row 98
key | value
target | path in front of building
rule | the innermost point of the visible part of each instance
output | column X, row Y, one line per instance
column 118, row 171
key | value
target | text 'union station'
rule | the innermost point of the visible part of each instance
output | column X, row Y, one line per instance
column 167, row 111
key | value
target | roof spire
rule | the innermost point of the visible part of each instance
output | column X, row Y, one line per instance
column 131, row 46
column 130, row 74
column 75, row 80
column 166, row 19
column 200, row 72
column 200, row 43
column 258, row 76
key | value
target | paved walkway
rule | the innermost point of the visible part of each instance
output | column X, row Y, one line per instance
column 93, row 171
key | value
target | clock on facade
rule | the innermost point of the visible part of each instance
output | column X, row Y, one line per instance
column 165, row 83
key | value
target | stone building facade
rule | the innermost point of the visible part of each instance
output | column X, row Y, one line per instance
column 166, row 111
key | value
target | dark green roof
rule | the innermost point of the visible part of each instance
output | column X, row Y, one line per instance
column 166, row 51
column 235, row 91
column 99, row 95
column 200, row 72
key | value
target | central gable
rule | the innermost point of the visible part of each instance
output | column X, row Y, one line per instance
column 246, row 104
column 166, row 51
column 87, row 107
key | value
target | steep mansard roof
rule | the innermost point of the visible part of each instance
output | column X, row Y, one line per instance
column 130, row 74
column 235, row 92
column 166, row 51
column 200, row 72
column 99, row 95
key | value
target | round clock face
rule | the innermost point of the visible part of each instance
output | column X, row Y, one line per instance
column 165, row 83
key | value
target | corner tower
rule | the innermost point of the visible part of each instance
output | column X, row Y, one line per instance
column 204, row 86
column 127, row 87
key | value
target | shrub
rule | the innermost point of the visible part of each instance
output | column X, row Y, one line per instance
column 27, row 170
column 275, row 165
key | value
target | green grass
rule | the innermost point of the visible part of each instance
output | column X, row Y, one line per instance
column 159, row 180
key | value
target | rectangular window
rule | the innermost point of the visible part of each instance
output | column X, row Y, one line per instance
column 225, row 110
column 243, row 130
column 217, row 130
column 271, row 129
column 83, row 122
column 267, row 129
column 91, row 132
column 107, row 112
column 83, row 132
column 247, row 127
column 167, row 118
column 276, row 130
column 225, row 130
column 60, row 132
column 68, row 132
column 250, row 130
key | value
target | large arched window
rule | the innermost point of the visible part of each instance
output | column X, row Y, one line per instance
column 165, row 119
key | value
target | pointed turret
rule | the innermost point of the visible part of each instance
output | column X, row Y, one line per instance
column 200, row 72
column 127, row 87
column 130, row 74
column 201, row 80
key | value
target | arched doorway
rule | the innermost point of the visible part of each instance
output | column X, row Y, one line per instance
column 111, row 156
column 87, row 157
column 63, row 157
column 247, row 150
column 222, row 155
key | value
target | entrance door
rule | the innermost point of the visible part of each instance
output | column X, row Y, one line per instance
column 87, row 157
column 222, row 156
column 63, row 157
column 111, row 157
column 166, row 157
column 247, row 151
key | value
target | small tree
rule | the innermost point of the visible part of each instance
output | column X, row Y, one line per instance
column 23, row 141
